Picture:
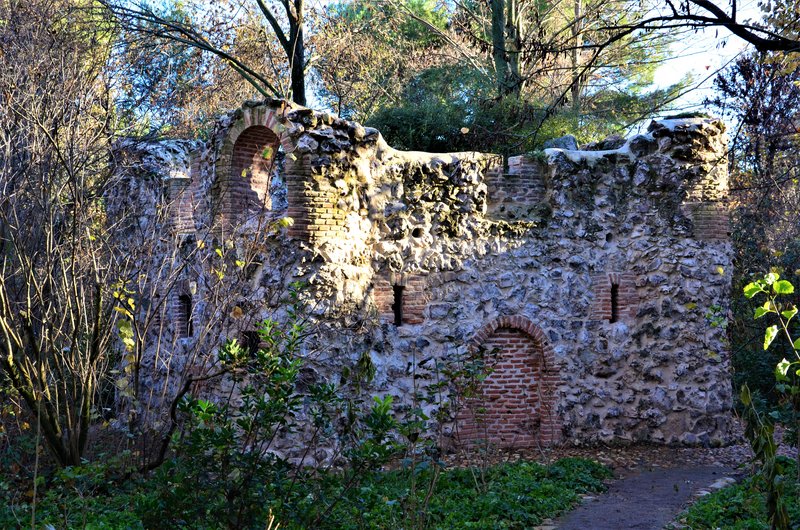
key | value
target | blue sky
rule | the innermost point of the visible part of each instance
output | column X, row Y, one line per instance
column 703, row 54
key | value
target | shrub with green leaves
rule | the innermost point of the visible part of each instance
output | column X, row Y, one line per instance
column 787, row 372
column 759, row 428
column 225, row 469
column 507, row 496
column 741, row 506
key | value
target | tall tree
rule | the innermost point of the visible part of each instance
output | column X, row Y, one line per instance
column 396, row 41
column 166, row 87
column 507, row 29
column 57, row 265
column 759, row 96
column 292, row 42
column 560, row 48
column 284, row 19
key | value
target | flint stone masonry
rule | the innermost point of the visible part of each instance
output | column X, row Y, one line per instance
column 582, row 280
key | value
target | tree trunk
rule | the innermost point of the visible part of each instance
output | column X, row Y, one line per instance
column 298, row 70
column 505, row 46
column 297, row 57
column 576, row 75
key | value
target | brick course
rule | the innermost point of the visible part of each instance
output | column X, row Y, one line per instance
column 710, row 220
column 524, row 184
column 245, row 188
column 415, row 297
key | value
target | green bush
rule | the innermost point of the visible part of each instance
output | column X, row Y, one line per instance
column 447, row 110
column 742, row 506
column 221, row 470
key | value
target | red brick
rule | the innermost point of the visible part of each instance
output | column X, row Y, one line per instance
column 508, row 411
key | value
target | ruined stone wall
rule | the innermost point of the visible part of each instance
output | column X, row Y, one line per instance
column 584, row 280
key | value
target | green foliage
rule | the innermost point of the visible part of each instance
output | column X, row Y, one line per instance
column 741, row 506
column 760, row 434
column 760, row 98
column 85, row 496
column 403, row 13
column 759, row 430
column 223, row 473
column 773, row 288
column 444, row 109
column 519, row 495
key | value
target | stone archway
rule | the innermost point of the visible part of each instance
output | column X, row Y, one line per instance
column 514, row 406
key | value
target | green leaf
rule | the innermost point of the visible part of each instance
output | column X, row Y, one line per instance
column 796, row 344
column 751, row 289
column 760, row 312
column 783, row 287
column 771, row 278
column 782, row 369
column 124, row 311
column 770, row 335
column 789, row 313
column 745, row 396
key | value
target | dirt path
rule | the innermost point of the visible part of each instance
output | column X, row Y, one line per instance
column 643, row 499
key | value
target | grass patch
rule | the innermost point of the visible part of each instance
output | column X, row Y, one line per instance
column 741, row 506
column 506, row 496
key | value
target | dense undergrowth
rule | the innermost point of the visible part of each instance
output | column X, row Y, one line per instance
column 512, row 495
column 224, row 467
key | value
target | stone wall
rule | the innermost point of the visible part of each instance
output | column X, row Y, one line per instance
column 582, row 280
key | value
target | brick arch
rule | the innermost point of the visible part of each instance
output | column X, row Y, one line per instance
column 246, row 157
column 514, row 406
column 262, row 115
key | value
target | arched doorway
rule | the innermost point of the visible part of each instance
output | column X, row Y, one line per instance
column 244, row 190
column 512, row 403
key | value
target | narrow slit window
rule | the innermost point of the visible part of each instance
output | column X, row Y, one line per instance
column 614, row 303
column 185, row 319
column 251, row 341
column 397, row 305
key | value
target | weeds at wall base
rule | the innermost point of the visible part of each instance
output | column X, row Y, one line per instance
column 518, row 495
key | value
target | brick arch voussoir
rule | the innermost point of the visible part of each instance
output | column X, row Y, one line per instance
column 271, row 118
column 523, row 324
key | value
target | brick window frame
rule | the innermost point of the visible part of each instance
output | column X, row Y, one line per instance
column 182, row 314
column 411, row 290
column 243, row 190
column 266, row 124
column 615, row 297
column 710, row 220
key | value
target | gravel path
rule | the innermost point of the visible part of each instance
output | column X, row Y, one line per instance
column 653, row 484
column 644, row 500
